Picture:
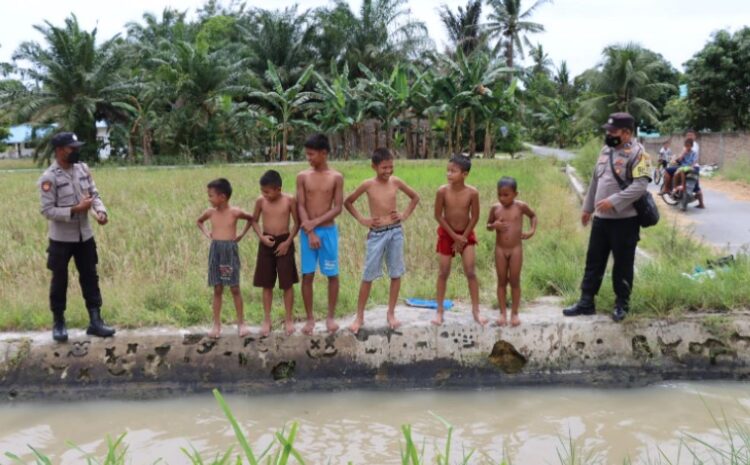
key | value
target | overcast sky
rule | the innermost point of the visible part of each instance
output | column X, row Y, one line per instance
column 577, row 30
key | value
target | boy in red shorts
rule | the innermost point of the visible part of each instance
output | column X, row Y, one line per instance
column 457, row 212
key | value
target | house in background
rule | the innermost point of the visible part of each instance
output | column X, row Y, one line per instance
column 17, row 144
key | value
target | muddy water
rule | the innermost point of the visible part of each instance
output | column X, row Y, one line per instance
column 364, row 427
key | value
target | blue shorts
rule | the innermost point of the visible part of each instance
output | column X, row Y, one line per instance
column 384, row 245
column 327, row 256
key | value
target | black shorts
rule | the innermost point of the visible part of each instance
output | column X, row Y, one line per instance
column 268, row 266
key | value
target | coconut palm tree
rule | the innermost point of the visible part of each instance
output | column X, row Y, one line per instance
column 76, row 83
column 510, row 24
column 625, row 82
column 464, row 27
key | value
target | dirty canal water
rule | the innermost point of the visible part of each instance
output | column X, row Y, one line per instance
column 361, row 427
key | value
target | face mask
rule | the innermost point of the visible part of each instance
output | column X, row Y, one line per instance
column 74, row 157
column 612, row 141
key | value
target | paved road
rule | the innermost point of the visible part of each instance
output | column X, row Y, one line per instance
column 725, row 223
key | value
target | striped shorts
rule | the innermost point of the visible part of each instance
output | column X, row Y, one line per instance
column 224, row 264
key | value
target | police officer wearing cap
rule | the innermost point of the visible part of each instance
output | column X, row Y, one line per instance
column 615, row 228
column 68, row 195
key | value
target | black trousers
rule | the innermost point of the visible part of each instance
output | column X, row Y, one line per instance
column 85, row 257
column 620, row 237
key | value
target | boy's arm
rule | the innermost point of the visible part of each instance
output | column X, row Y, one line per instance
column 201, row 220
column 491, row 220
column 526, row 210
column 412, row 194
column 302, row 204
column 283, row 248
column 439, row 206
column 256, row 225
column 249, row 220
column 349, row 205
column 330, row 215
column 474, row 214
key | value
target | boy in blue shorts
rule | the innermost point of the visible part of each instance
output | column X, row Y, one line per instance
column 385, row 241
column 320, row 198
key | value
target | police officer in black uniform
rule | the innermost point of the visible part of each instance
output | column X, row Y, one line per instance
column 68, row 194
column 615, row 227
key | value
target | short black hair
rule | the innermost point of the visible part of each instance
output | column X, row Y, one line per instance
column 271, row 178
column 318, row 142
column 507, row 181
column 380, row 155
column 462, row 162
column 221, row 186
column 690, row 130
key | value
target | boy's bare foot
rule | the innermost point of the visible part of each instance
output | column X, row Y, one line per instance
column 331, row 325
column 289, row 327
column 243, row 330
column 502, row 321
column 514, row 320
column 265, row 330
column 393, row 323
column 438, row 320
column 309, row 326
column 354, row 327
column 479, row 318
column 215, row 332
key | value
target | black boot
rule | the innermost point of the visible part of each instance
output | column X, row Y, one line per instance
column 584, row 306
column 620, row 312
column 59, row 332
column 97, row 326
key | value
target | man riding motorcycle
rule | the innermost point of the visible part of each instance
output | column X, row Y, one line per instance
column 684, row 164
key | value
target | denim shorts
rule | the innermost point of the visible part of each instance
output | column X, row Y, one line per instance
column 384, row 244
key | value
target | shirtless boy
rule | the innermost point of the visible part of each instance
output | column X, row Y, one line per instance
column 274, row 209
column 320, row 198
column 457, row 213
column 385, row 241
column 506, row 219
column 224, row 257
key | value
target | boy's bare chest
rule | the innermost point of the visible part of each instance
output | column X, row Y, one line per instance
column 320, row 185
column 460, row 200
column 275, row 209
column 512, row 213
column 223, row 218
column 382, row 193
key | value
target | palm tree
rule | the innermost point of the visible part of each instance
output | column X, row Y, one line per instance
column 510, row 24
column 286, row 103
column 464, row 28
column 541, row 61
column 625, row 83
column 76, row 84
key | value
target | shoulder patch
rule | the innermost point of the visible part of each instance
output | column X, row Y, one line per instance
column 46, row 186
column 643, row 167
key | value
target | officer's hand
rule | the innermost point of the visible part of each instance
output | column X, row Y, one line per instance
column 585, row 218
column 83, row 205
column 604, row 205
column 101, row 218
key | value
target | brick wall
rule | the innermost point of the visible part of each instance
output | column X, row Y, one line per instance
column 716, row 148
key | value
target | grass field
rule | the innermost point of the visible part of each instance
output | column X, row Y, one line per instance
column 737, row 170
column 153, row 258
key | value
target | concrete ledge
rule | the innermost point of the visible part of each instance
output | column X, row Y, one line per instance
column 546, row 349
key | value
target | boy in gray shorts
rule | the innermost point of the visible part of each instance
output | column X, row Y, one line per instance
column 385, row 241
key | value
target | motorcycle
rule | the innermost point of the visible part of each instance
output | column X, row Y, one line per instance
column 685, row 197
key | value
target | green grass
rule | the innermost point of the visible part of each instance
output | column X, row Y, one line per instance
column 585, row 158
column 18, row 164
column 737, row 170
column 153, row 259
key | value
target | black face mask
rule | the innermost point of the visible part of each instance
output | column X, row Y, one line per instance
column 612, row 141
column 74, row 157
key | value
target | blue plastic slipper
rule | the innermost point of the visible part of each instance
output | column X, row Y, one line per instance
column 426, row 303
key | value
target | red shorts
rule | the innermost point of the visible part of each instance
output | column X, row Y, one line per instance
column 445, row 241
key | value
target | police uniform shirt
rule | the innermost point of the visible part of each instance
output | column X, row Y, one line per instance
column 60, row 191
column 631, row 163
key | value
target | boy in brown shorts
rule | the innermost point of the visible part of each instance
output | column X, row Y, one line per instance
column 276, row 249
column 457, row 213
column 506, row 219
column 224, row 258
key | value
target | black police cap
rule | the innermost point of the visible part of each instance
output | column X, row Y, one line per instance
column 65, row 139
column 619, row 121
